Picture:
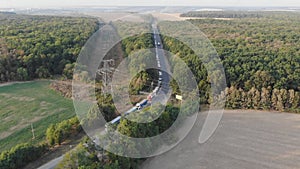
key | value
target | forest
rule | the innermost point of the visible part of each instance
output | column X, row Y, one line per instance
column 34, row 47
column 260, row 55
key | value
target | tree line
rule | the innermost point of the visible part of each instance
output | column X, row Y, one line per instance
column 241, row 14
column 57, row 133
column 263, row 99
column 22, row 154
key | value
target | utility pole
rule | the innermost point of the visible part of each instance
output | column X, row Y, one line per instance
column 106, row 72
column 32, row 130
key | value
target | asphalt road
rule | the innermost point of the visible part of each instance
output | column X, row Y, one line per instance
column 244, row 140
column 163, row 64
column 52, row 164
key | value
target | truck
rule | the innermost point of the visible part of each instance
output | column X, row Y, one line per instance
column 141, row 104
column 114, row 121
column 130, row 111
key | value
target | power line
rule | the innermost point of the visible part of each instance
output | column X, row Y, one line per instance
column 106, row 72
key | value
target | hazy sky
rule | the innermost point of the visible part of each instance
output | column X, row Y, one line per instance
column 72, row 3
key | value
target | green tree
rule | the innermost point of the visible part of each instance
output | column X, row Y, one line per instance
column 50, row 134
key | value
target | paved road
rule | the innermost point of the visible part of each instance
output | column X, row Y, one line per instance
column 163, row 64
column 51, row 164
column 244, row 140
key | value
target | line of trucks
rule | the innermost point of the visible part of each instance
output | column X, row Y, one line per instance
column 138, row 106
column 145, row 102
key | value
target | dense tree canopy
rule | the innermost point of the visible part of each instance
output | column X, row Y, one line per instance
column 59, row 132
column 41, row 46
column 20, row 155
column 258, row 53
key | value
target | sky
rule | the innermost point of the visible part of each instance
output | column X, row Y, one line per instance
column 78, row 3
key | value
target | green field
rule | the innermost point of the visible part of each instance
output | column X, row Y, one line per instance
column 26, row 103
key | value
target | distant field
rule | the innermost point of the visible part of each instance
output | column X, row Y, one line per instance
column 26, row 103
